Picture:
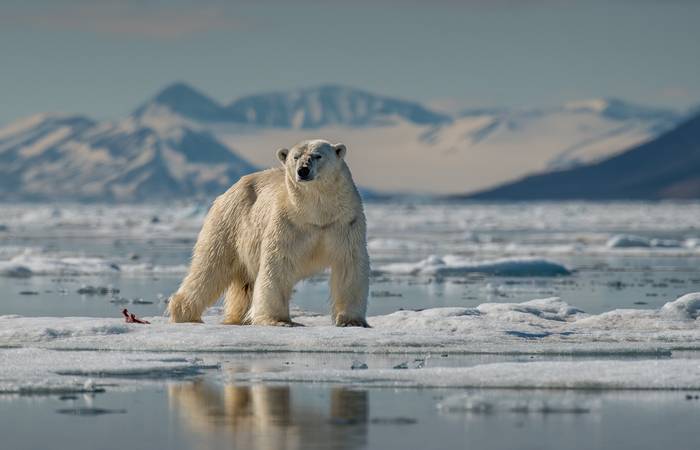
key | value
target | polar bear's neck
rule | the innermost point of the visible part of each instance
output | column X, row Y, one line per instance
column 324, row 202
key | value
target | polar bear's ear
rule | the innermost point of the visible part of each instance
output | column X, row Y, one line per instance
column 282, row 154
column 340, row 150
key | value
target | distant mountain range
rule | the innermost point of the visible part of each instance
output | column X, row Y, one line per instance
column 180, row 143
column 666, row 167
column 61, row 157
column 311, row 108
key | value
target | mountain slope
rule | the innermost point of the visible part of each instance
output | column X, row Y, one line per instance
column 666, row 167
column 476, row 150
column 184, row 100
column 51, row 157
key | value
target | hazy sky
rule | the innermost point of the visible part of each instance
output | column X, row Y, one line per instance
column 104, row 58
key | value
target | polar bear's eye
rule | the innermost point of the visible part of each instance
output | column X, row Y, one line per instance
column 296, row 157
column 317, row 156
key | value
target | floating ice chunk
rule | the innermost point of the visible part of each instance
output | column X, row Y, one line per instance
column 667, row 243
column 452, row 265
column 692, row 243
column 685, row 307
column 633, row 241
column 383, row 244
column 30, row 263
column 147, row 268
column 15, row 271
column 628, row 240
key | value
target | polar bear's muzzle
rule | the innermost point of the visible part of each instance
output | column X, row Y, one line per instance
column 304, row 174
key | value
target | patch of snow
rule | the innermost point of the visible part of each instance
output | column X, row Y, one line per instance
column 46, row 142
column 452, row 265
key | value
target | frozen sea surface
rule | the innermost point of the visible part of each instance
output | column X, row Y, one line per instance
column 519, row 323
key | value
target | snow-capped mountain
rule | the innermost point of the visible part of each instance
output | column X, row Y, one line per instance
column 309, row 108
column 568, row 135
column 665, row 167
column 54, row 157
column 178, row 143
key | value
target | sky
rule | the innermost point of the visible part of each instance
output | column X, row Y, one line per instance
column 105, row 58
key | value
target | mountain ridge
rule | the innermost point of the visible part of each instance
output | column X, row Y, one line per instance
column 305, row 108
column 176, row 143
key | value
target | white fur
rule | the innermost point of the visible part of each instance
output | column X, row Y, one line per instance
column 270, row 230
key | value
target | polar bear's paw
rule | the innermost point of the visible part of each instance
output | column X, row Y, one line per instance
column 344, row 321
column 268, row 321
column 180, row 311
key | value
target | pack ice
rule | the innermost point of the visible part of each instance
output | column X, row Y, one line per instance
column 53, row 354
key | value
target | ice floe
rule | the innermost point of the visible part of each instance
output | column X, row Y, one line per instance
column 453, row 265
column 542, row 326
column 633, row 241
column 53, row 355
column 32, row 263
column 41, row 371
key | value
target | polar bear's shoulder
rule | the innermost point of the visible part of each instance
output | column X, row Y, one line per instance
column 269, row 177
column 265, row 184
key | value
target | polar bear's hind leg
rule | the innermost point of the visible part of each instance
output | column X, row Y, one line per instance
column 239, row 296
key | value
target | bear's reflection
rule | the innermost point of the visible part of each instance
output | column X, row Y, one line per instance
column 272, row 417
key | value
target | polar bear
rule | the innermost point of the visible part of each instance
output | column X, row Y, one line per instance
column 273, row 228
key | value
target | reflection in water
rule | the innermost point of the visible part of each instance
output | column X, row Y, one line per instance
column 272, row 417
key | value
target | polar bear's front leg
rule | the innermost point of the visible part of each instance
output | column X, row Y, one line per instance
column 272, row 289
column 211, row 271
column 199, row 290
column 350, row 281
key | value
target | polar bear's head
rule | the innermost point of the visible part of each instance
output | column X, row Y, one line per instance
column 312, row 160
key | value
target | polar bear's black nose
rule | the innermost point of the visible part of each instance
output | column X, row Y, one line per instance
column 303, row 173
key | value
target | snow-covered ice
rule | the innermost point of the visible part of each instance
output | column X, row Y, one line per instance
column 41, row 371
column 46, row 354
column 543, row 326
